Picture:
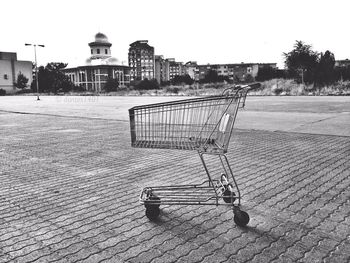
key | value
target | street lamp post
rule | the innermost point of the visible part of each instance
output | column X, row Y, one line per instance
column 36, row 68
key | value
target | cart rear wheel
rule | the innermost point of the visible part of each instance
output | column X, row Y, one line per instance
column 228, row 195
column 152, row 212
column 241, row 218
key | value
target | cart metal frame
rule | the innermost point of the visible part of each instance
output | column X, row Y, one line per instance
column 202, row 124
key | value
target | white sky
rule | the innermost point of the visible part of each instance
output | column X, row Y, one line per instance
column 206, row 31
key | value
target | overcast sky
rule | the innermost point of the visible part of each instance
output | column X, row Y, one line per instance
column 206, row 31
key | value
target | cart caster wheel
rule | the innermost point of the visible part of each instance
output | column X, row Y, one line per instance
column 152, row 212
column 155, row 201
column 228, row 195
column 241, row 218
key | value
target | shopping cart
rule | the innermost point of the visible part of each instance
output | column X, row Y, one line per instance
column 202, row 124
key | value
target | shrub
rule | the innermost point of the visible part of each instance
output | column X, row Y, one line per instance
column 24, row 91
column 147, row 84
column 164, row 83
column 184, row 79
column 278, row 91
column 78, row 88
column 111, row 85
column 172, row 89
column 2, row 92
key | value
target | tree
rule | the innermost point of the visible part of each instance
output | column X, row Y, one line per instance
column 325, row 73
column 111, row 85
column 301, row 62
column 177, row 80
column 248, row 78
column 21, row 82
column 52, row 79
column 268, row 72
column 213, row 77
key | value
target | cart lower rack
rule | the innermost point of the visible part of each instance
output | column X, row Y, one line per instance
column 201, row 124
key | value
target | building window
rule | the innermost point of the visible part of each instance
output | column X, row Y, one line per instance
column 98, row 51
column 106, row 51
column 92, row 51
column 6, row 76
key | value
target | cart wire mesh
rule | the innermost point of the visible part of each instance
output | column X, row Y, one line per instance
column 192, row 124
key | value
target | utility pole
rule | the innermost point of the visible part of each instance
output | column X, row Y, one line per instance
column 36, row 68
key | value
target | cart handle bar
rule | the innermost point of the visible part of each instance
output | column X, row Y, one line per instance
column 248, row 87
column 241, row 88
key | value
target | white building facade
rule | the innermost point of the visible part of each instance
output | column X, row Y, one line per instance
column 10, row 68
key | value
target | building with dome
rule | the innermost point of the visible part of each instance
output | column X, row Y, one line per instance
column 99, row 67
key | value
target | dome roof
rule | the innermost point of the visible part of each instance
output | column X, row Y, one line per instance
column 100, row 40
column 100, row 37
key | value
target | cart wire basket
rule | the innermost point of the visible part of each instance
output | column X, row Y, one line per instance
column 202, row 124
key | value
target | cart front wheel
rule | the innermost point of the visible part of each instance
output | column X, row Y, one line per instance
column 152, row 212
column 241, row 218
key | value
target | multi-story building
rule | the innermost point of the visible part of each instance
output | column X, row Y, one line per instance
column 161, row 69
column 167, row 69
column 203, row 70
column 342, row 63
column 141, row 60
column 238, row 71
column 175, row 68
column 99, row 67
column 10, row 68
column 191, row 69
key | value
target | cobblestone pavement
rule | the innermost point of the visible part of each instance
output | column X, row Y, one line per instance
column 69, row 192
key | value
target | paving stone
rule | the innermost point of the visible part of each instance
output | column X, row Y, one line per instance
column 167, row 257
column 70, row 189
